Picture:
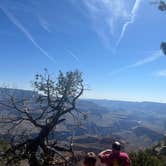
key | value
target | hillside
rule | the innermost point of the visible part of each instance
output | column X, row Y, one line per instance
column 139, row 124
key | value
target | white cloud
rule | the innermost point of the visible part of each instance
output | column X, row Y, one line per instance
column 111, row 17
column 105, row 14
column 17, row 23
column 155, row 55
column 130, row 21
column 161, row 73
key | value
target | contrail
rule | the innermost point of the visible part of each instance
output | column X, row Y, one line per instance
column 44, row 24
column 156, row 55
column 73, row 55
column 132, row 19
column 17, row 23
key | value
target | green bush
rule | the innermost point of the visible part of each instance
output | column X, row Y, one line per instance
column 146, row 158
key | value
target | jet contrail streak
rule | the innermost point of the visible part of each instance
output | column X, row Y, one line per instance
column 132, row 19
column 155, row 55
column 73, row 55
column 17, row 23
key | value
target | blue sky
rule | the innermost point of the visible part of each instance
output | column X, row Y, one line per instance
column 115, row 43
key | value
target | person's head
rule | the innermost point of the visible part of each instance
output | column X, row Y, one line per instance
column 116, row 147
column 90, row 159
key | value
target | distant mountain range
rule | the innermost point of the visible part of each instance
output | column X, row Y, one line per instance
column 139, row 124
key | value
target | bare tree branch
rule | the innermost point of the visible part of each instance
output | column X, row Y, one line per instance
column 54, row 99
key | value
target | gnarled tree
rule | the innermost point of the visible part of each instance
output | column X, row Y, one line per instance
column 162, row 7
column 42, row 112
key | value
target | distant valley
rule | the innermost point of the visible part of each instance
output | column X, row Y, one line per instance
column 136, row 124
